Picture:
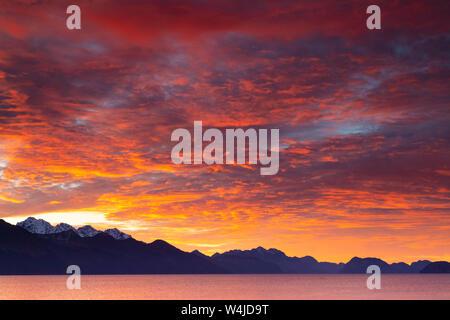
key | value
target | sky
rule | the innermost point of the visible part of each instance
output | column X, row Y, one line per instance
column 86, row 118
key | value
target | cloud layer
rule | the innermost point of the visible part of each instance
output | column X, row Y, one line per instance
column 86, row 118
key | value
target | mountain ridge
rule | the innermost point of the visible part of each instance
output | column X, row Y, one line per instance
column 40, row 226
column 44, row 251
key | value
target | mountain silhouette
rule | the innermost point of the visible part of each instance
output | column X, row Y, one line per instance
column 36, row 247
column 22, row 252
column 437, row 267
column 359, row 265
column 260, row 260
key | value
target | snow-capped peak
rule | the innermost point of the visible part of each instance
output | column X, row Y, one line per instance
column 40, row 226
column 87, row 232
column 63, row 227
column 34, row 225
column 117, row 234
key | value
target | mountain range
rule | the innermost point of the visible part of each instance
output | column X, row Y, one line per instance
column 34, row 246
column 39, row 226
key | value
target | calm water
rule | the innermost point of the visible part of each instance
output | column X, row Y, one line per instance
column 416, row 286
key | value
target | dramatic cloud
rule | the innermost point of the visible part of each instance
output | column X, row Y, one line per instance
column 86, row 117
